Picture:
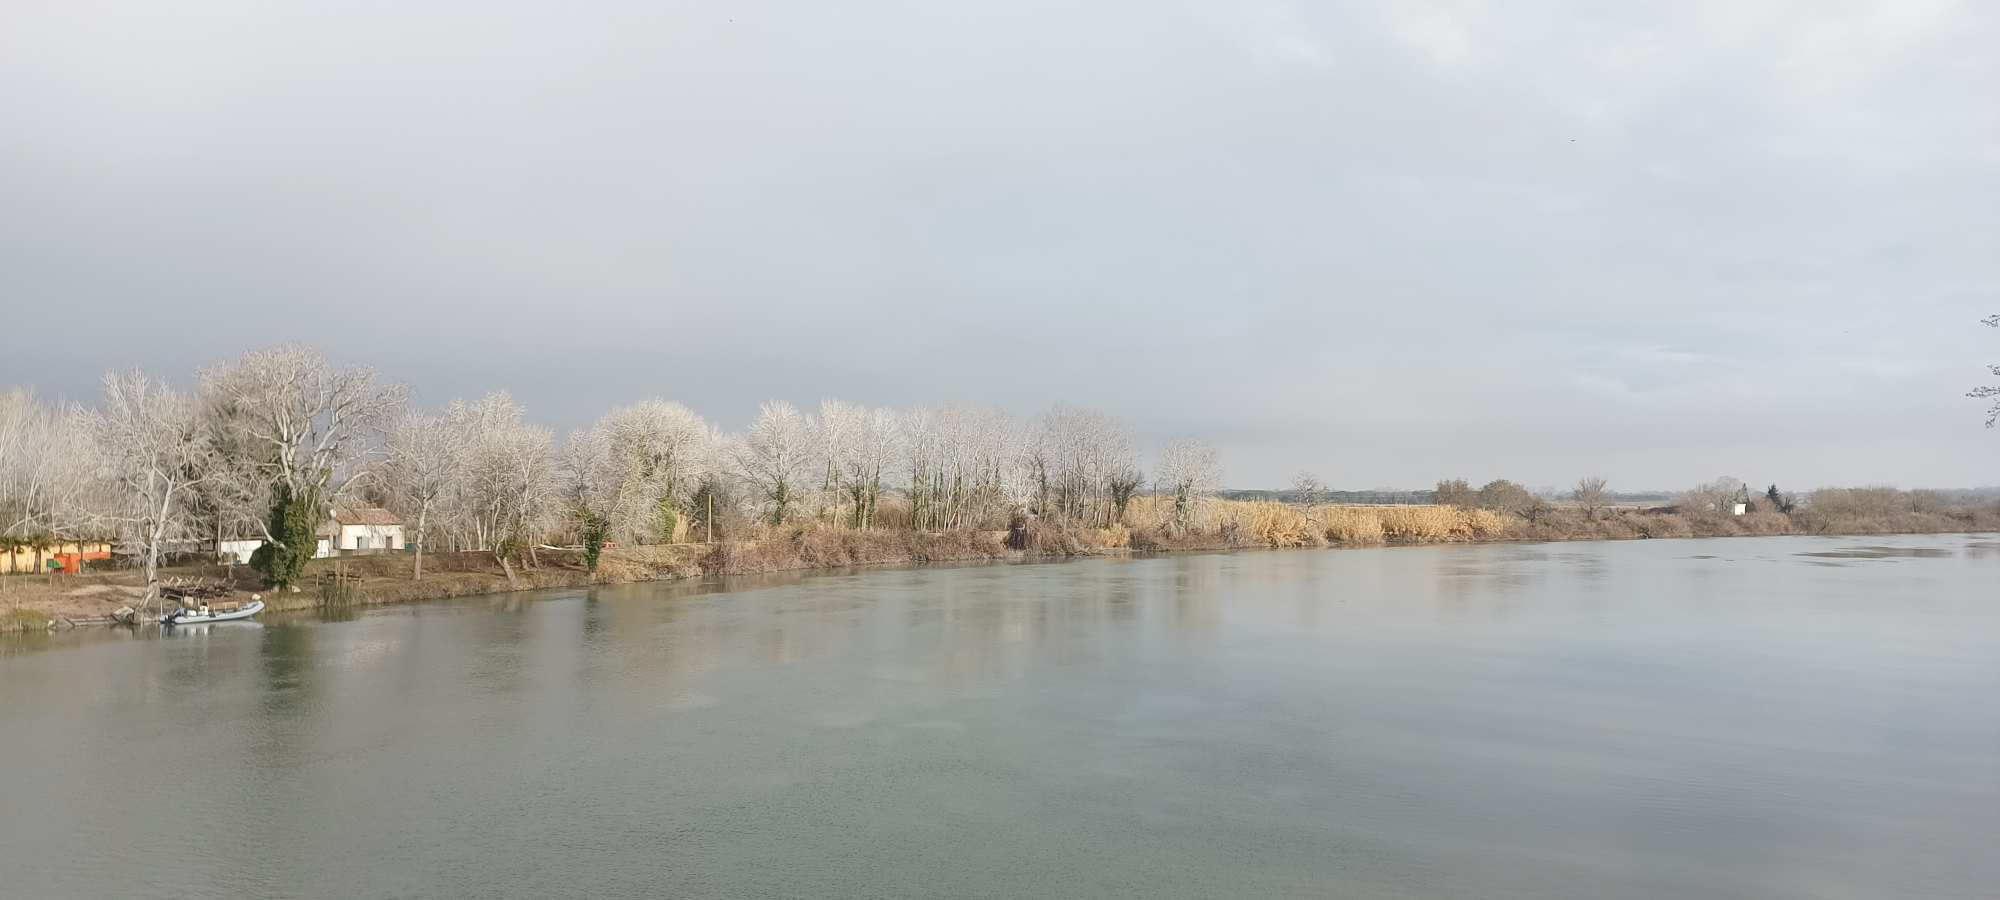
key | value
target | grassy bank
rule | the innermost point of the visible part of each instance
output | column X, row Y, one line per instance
column 30, row 603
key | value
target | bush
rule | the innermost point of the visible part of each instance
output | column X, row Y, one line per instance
column 1456, row 492
column 594, row 529
column 295, row 524
column 1501, row 495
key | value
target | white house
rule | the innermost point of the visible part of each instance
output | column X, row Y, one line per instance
column 360, row 530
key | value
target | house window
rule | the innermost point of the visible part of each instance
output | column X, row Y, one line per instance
column 360, row 542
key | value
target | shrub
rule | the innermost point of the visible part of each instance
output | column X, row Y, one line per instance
column 594, row 529
column 1456, row 492
column 295, row 524
column 1501, row 495
column 1662, row 525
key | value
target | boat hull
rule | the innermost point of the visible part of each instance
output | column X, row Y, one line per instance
column 188, row 617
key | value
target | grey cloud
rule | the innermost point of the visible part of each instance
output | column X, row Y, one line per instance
column 1391, row 242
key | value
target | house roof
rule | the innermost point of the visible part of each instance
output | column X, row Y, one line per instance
column 365, row 515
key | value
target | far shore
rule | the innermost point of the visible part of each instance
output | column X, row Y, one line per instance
column 30, row 603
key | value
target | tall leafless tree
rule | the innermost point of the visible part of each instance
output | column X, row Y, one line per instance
column 1188, row 472
column 422, row 455
column 307, row 425
column 154, row 449
column 47, row 488
column 775, row 458
column 1590, row 494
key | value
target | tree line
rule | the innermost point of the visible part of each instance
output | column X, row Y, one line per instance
column 266, row 446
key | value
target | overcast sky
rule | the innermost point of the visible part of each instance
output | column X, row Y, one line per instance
column 1389, row 242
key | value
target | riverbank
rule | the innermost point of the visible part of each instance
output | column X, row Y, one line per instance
column 33, row 603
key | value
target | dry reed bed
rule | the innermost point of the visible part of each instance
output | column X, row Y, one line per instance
column 1285, row 525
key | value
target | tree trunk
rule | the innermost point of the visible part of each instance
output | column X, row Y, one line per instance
column 152, row 573
column 423, row 512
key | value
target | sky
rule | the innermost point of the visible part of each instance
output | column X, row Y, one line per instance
column 1386, row 242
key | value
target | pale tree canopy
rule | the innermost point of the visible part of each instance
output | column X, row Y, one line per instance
column 306, row 424
column 423, row 456
column 153, row 450
column 642, row 463
column 47, row 487
column 775, row 458
column 1071, row 458
column 508, row 490
column 1188, row 471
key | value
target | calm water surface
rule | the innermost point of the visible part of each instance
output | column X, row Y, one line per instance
column 1754, row 718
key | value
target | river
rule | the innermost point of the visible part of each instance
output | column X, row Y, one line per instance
column 1744, row 718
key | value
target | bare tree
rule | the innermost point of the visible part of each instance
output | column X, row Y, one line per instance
column 1456, row 492
column 1718, row 496
column 509, row 486
column 1070, row 457
column 1188, row 471
column 775, row 457
column 1989, row 391
column 422, row 455
column 154, row 449
column 654, row 453
column 47, row 486
column 307, row 425
column 1590, row 494
column 858, row 445
column 1125, row 484
column 1308, row 489
column 960, row 461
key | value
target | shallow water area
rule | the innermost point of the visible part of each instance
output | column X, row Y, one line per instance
column 1753, row 717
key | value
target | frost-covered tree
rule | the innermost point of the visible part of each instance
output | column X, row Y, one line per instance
column 858, row 446
column 961, row 465
column 1070, row 458
column 1188, row 472
column 775, row 458
column 422, row 457
column 650, row 458
column 508, row 490
column 47, row 486
column 306, row 428
column 154, row 450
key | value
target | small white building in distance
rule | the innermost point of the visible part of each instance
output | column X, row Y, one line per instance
column 368, row 529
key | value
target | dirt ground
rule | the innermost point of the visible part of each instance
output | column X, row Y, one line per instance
column 30, row 602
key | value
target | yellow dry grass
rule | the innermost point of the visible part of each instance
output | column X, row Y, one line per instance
column 1351, row 525
column 1286, row 525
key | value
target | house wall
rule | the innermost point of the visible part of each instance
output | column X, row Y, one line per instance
column 371, row 538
